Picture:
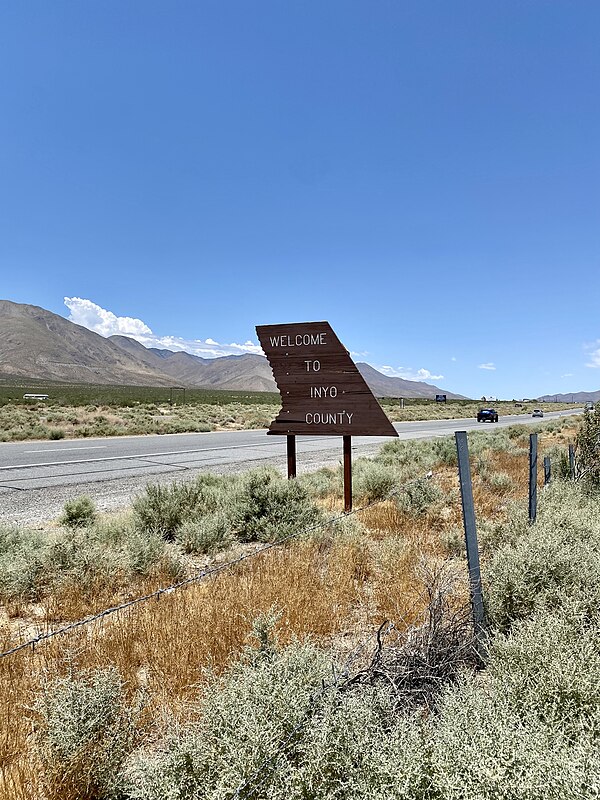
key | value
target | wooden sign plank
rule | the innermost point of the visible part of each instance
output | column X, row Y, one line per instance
column 322, row 390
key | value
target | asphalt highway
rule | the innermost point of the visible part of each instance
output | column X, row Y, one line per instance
column 37, row 477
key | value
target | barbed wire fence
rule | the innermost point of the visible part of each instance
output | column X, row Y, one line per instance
column 292, row 726
column 215, row 570
column 207, row 572
column 464, row 649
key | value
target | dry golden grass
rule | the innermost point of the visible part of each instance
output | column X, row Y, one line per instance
column 72, row 602
column 327, row 589
column 333, row 588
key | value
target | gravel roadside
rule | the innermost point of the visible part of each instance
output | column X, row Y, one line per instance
column 37, row 507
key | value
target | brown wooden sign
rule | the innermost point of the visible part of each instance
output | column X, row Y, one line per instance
column 322, row 391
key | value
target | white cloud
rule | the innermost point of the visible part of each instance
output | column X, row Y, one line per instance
column 90, row 315
column 593, row 354
column 453, row 358
column 567, row 375
column 409, row 374
column 489, row 365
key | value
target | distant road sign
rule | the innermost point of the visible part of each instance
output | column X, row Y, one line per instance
column 440, row 398
column 322, row 391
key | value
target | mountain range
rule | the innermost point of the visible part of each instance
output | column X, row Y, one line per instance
column 571, row 397
column 36, row 344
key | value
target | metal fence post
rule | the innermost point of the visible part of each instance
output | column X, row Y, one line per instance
column 533, row 469
column 468, row 507
column 547, row 470
column 572, row 461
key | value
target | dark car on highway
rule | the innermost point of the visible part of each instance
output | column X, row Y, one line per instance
column 487, row 415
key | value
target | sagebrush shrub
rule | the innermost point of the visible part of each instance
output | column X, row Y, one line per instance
column 500, row 481
column 417, row 455
column 22, row 563
column 495, row 534
column 549, row 668
column 482, row 747
column 242, row 719
column 207, row 534
column 269, row 508
column 33, row 563
column 372, row 481
column 78, row 512
column 163, row 509
column 453, row 540
column 417, row 497
column 148, row 554
column 555, row 560
column 323, row 482
column 445, row 450
column 559, row 462
column 85, row 731
column 588, row 448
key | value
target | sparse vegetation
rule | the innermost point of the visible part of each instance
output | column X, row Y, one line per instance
column 416, row 409
column 95, row 411
column 256, row 506
column 80, row 564
column 215, row 681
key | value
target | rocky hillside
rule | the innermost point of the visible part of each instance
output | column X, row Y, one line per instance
column 37, row 344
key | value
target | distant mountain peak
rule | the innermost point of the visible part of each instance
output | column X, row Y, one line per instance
column 571, row 397
column 37, row 344
column 386, row 386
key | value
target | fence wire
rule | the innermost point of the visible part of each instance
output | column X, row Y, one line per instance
column 205, row 573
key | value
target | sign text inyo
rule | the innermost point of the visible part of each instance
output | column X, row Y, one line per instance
column 322, row 391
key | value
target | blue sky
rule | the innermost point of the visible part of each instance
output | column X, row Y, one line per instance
column 424, row 175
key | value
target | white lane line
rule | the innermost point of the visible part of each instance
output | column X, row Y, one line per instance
column 414, row 433
column 63, row 449
column 142, row 456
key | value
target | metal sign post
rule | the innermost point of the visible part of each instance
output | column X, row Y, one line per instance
column 322, row 391
column 291, row 455
column 347, row 473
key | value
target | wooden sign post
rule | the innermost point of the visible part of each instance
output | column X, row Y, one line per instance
column 322, row 391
